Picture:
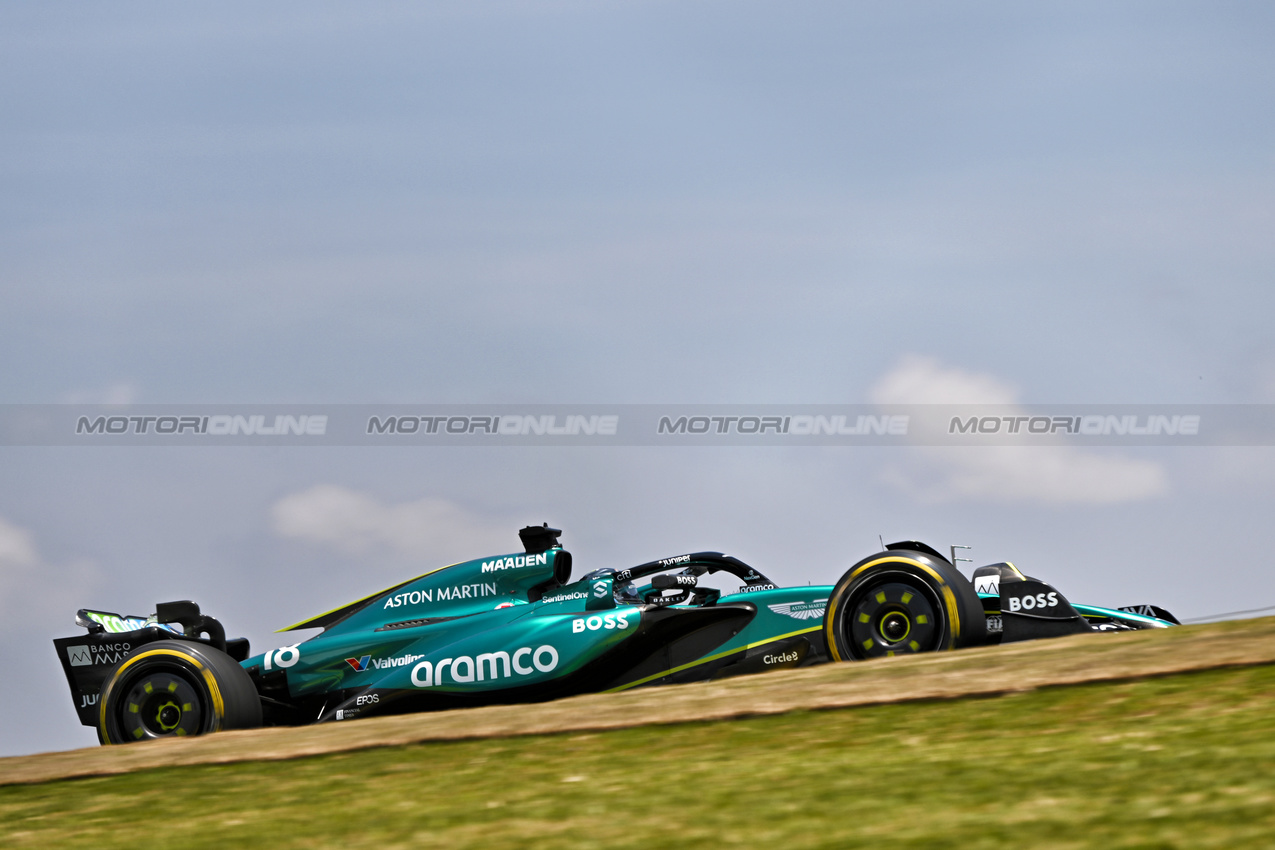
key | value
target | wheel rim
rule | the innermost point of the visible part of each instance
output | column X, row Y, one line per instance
column 160, row 704
column 892, row 617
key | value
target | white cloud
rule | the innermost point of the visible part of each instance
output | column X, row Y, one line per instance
column 32, row 589
column 924, row 380
column 359, row 525
column 17, row 550
column 1050, row 474
column 115, row 394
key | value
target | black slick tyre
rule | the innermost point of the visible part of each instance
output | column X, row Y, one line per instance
column 902, row 602
column 174, row 689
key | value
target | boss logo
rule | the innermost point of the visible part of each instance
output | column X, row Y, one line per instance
column 608, row 621
column 1028, row 603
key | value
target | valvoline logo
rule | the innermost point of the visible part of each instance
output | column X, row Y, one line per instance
column 359, row 664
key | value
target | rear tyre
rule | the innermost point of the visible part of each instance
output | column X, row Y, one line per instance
column 176, row 689
column 900, row 603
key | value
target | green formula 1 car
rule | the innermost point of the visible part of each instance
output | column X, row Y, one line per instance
column 515, row 628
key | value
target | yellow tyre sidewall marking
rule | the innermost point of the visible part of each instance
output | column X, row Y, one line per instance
column 218, row 704
column 949, row 600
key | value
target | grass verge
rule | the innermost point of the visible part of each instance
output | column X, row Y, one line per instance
column 986, row 671
column 1178, row 761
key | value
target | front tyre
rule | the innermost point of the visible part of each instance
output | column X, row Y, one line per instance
column 900, row 603
column 175, row 689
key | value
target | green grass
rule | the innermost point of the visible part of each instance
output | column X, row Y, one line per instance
column 1184, row 761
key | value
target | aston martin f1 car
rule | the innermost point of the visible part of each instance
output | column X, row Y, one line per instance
column 515, row 628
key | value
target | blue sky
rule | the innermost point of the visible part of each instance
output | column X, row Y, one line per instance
column 623, row 203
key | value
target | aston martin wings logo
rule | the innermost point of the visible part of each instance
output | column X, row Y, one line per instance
column 801, row 610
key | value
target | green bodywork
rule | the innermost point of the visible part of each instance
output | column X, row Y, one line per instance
column 472, row 632
column 515, row 628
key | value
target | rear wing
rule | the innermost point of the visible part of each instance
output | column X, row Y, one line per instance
column 88, row 659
